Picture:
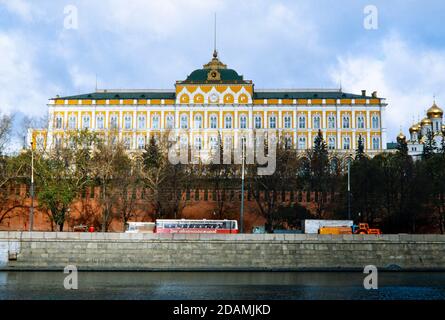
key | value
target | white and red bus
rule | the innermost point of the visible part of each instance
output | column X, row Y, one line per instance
column 196, row 226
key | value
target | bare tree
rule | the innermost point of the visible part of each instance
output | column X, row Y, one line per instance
column 5, row 131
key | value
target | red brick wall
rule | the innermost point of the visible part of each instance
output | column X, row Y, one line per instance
column 196, row 207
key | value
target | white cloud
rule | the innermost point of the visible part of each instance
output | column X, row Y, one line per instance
column 82, row 80
column 151, row 19
column 21, row 8
column 407, row 76
column 21, row 83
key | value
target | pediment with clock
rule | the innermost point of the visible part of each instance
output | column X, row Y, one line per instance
column 214, row 84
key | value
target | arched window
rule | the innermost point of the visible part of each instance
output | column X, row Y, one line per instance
column 170, row 122
column 58, row 142
column 331, row 122
column 302, row 143
column 287, row 142
column 198, row 121
column 273, row 122
column 198, row 143
column 127, row 142
column 302, row 122
column 113, row 121
column 375, row 122
column 228, row 142
column 228, row 122
column 287, row 122
column 213, row 142
column 141, row 121
column 345, row 122
column 40, row 142
column 59, row 122
column 184, row 121
column 100, row 121
column 334, row 165
column 243, row 122
column 141, row 142
column 317, row 124
column 86, row 121
column 257, row 122
column 331, row 143
column 72, row 122
column 184, row 140
column 155, row 122
column 363, row 141
column 127, row 122
column 376, row 143
column 346, row 143
column 213, row 121
column 360, row 122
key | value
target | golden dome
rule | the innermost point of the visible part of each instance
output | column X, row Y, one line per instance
column 434, row 111
column 414, row 128
column 401, row 136
column 425, row 122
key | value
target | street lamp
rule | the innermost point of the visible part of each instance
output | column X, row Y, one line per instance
column 242, row 189
column 349, row 187
column 31, row 209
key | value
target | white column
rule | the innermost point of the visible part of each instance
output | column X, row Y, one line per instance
column 323, row 120
column 191, row 122
column 120, row 124
column 162, row 119
column 339, row 129
column 220, row 118
column 368, row 130
column 177, row 116
column 235, row 120
column 265, row 120
column 354, row 143
column 93, row 120
column 309, row 120
column 382, row 127
column 65, row 119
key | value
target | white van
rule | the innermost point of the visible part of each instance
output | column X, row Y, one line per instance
column 140, row 227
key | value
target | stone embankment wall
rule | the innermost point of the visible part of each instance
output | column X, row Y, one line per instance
column 120, row 251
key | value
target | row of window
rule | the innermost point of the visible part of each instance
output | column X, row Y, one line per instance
column 213, row 142
column 228, row 122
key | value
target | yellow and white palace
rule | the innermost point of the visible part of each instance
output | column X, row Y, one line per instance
column 216, row 100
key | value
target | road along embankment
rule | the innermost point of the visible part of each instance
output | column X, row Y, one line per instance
column 217, row 252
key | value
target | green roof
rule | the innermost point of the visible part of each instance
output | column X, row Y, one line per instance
column 230, row 74
column 123, row 95
column 227, row 76
column 308, row 95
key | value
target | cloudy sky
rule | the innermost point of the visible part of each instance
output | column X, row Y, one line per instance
column 277, row 44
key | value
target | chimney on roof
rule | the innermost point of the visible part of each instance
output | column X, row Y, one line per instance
column 374, row 94
column 364, row 93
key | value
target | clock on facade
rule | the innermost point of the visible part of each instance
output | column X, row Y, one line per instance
column 213, row 97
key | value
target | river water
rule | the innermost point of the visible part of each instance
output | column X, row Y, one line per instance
column 222, row 285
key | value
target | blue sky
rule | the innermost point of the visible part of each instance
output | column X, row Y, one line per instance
column 277, row 44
